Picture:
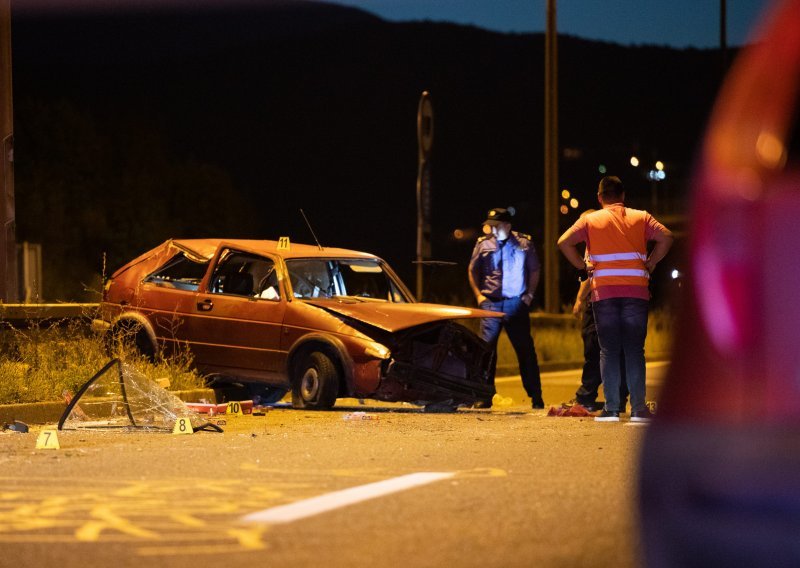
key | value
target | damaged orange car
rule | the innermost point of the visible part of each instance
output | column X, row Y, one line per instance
column 277, row 316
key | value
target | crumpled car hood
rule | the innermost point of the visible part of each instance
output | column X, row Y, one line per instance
column 396, row 317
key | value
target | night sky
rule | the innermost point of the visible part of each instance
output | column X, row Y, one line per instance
column 675, row 23
column 656, row 22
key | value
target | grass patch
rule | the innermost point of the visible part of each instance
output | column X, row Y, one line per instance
column 41, row 363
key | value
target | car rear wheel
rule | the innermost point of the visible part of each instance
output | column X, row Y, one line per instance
column 315, row 383
column 130, row 337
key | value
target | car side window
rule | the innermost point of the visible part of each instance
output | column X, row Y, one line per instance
column 179, row 272
column 242, row 274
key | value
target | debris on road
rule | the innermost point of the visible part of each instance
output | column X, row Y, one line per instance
column 575, row 410
column 213, row 409
column 119, row 396
column 16, row 426
column 359, row 416
column 500, row 400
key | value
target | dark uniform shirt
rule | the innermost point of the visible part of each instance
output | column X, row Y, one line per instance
column 502, row 269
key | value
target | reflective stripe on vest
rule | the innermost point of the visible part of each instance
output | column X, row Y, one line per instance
column 617, row 247
column 605, row 272
column 617, row 256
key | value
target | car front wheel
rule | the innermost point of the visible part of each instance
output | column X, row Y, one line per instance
column 315, row 383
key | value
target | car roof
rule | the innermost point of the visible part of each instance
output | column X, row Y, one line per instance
column 206, row 248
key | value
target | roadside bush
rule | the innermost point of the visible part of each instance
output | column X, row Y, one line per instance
column 42, row 363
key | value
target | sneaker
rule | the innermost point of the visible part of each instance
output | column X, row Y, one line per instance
column 482, row 404
column 642, row 416
column 537, row 404
column 607, row 416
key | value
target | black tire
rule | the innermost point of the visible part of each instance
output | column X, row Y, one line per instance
column 315, row 383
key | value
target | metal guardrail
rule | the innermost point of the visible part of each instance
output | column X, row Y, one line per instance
column 39, row 312
column 553, row 319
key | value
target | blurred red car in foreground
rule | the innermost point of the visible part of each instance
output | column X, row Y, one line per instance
column 720, row 470
column 325, row 323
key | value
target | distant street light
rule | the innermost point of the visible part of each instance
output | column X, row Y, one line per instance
column 655, row 175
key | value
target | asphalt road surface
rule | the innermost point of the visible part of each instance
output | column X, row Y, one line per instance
column 503, row 487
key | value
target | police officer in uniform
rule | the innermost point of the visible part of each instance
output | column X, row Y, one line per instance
column 503, row 274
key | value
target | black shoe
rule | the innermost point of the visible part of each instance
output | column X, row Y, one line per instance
column 607, row 416
column 642, row 416
column 537, row 404
column 593, row 406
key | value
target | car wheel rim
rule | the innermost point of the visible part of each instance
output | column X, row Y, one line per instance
column 309, row 384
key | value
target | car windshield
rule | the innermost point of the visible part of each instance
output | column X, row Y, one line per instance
column 327, row 278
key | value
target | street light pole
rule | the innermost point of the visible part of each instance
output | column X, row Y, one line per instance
column 425, row 145
column 551, row 288
column 8, row 241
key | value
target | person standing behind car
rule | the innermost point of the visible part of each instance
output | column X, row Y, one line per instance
column 503, row 275
column 616, row 238
column 586, row 395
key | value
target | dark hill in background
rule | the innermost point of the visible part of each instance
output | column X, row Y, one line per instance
column 132, row 127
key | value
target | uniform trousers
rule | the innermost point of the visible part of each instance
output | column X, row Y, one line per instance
column 517, row 323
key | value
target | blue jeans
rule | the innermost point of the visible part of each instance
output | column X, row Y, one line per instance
column 622, row 328
column 517, row 324
column 591, row 379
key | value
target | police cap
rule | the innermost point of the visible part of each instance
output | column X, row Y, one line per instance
column 499, row 215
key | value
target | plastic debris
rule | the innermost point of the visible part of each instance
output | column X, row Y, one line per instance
column 359, row 416
column 500, row 400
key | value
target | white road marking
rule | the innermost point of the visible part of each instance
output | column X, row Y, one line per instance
column 330, row 501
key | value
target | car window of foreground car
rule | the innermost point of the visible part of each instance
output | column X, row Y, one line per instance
column 180, row 272
column 244, row 274
column 327, row 278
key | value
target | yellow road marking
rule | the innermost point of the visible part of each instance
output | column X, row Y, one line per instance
column 107, row 520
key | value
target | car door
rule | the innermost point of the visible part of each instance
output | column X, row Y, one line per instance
column 238, row 315
column 167, row 298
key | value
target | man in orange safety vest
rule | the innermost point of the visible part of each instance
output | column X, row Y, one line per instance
column 619, row 266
